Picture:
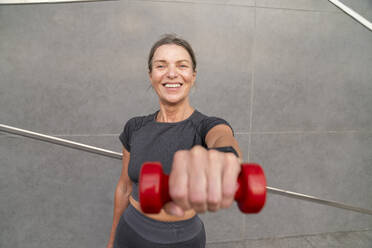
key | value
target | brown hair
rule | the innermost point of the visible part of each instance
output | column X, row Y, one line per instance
column 171, row 39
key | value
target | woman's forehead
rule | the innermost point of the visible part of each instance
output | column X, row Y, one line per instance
column 171, row 52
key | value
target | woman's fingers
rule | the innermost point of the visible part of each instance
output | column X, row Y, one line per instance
column 214, row 176
column 198, row 179
column 173, row 209
column 202, row 180
column 230, row 173
column 179, row 179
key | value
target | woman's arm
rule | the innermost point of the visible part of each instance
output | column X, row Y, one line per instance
column 122, row 193
column 222, row 135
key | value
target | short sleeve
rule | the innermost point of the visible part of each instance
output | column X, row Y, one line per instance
column 126, row 134
column 210, row 122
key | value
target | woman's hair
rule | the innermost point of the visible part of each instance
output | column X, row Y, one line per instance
column 172, row 39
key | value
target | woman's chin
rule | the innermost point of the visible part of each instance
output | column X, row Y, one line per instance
column 173, row 100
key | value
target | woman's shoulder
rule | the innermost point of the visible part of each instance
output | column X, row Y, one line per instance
column 137, row 122
column 201, row 118
column 205, row 122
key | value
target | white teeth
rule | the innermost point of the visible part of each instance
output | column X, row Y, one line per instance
column 172, row 85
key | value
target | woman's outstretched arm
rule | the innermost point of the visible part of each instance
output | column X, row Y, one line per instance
column 121, row 199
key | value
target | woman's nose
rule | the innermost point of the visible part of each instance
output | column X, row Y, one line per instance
column 172, row 72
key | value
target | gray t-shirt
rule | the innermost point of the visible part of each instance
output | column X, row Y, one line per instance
column 149, row 140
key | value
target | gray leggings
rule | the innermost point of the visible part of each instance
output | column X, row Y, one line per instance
column 137, row 230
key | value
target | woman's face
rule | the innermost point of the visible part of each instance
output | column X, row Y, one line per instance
column 172, row 75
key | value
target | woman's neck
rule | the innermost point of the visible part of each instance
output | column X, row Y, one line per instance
column 174, row 113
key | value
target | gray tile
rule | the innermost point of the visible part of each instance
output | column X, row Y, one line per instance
column 219, row 2
column 243, row 141
column 219, row 93
column 48, row 216
column 279, row 242
column 229, row 244
column 8, row 234
column 308, row 80
column 223, row 225
column 299, row 4
column 55, row 196
column 340, row 240
column 335, row 167
column 367, row 235
column 267, row 243
column 293, row 242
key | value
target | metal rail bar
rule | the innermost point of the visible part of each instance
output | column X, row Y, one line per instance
column 59, row 141
column 310, row 198
column 116, row 155
column 13, row 2
column 353, row 14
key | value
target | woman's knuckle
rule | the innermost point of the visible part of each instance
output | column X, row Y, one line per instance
column 213, row 154
column 228, row 193
column 177, row 193
column 179, row 155
column 230, row 157
column 213, row 201
column 197, row 150
column 226, row 203
column 197, row 199
column 213, row 207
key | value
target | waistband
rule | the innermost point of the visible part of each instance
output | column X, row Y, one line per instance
column 162, row 232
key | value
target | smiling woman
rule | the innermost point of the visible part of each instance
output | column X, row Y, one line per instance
column 172, row 77
column 180, row 137
column 172, row 71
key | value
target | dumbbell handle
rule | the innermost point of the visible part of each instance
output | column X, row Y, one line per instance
column 154, row 190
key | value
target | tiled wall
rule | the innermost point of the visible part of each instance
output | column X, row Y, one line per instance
column 294, row 79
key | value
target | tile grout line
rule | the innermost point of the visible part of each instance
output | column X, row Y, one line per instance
column 309, row 242
column 307, row 132
column 252, row 86
column 289, row 237
column 300, row 10
column 242, row 234
column 238, row 5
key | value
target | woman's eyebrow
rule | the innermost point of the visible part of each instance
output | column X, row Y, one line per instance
column 164, row 61
column 160, row 60
column 183, row 60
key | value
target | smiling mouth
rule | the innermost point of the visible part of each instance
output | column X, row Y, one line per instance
column 172, row 85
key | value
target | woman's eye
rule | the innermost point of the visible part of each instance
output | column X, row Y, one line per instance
column 183, row 66
column 159, row 66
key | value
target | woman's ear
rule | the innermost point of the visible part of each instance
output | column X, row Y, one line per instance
column 194, row 77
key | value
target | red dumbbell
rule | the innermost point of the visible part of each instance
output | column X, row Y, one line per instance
column 154, row 191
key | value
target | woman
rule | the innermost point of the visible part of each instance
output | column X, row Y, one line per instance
column 201, row 179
